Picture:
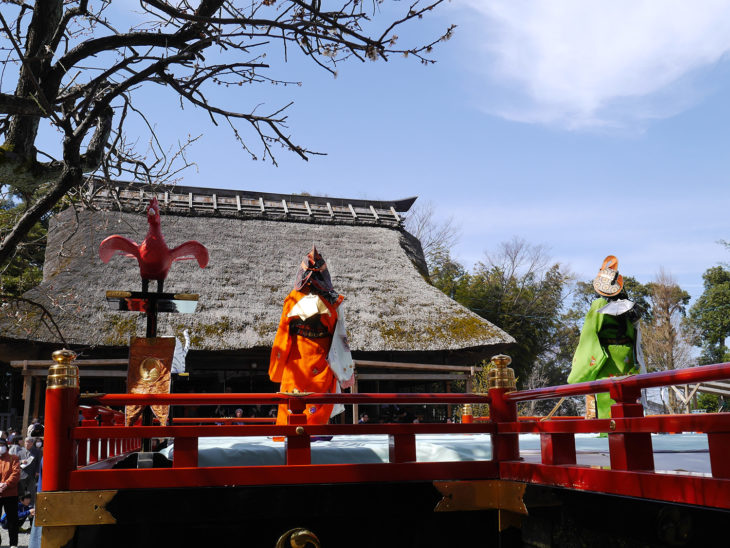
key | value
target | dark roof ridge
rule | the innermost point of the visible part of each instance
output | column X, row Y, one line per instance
column 402, row 205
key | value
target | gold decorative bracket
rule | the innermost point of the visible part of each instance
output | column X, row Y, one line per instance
column 60, row 512
column 504, row 496
column 61, row 508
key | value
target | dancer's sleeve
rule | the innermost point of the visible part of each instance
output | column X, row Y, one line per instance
column 282, row 344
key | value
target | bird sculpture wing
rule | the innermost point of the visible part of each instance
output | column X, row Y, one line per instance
column 191, row 250
column 117, row 244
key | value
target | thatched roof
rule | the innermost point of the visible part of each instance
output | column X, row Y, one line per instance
column 390, row 306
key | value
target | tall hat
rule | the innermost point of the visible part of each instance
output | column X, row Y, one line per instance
column 313, row 273
column 609, row 282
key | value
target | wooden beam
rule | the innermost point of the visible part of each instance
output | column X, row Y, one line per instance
column 411, row 377
column 80, row 363
column 416, row 366
column 39, row 373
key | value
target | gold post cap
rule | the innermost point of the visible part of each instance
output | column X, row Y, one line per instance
column 501, row 376
column 501, row 360
column 64, row 374
column 63, row 356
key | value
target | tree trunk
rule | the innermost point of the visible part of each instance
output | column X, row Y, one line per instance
column 23, row 130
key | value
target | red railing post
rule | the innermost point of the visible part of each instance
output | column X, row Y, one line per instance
column 629, row 450
column 298, row 446
column 402, row 447
column 557, row 448
column 82, row 453
column 501, row 380
column 93, row 450
column 185, row 454
column 62, row 414
column 719, row 446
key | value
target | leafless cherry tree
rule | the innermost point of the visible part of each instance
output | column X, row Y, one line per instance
column 77, row 72
column 433, row 234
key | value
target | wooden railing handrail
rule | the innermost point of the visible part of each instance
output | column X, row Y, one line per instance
column 633, row 383
column 274, row 399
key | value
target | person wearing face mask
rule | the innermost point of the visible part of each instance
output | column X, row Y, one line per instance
column 9, row 478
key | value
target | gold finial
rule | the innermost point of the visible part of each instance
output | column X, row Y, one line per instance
column 64, row 374
column 501, row 376
column 501, row 360
column 63, row 356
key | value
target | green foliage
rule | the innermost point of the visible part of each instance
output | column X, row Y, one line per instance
column 446, row 273
column 481, row 386
column 708, row 402
column 519, row 291
column 710, row 315
column 25, row 270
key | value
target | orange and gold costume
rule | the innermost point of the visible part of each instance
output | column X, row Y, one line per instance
column 300, row 362
column 304, row 338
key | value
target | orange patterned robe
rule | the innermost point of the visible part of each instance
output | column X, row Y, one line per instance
column 300, row 362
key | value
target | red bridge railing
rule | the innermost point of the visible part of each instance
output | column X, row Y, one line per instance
column 631, row 471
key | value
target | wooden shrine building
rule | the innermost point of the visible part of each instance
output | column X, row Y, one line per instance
column 256, row 241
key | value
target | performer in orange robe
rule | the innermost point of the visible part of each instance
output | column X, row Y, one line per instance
column 302, row 343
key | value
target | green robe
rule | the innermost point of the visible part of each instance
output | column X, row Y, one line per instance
column 595, row 359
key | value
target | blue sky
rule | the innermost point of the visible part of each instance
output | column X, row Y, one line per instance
column 593, row 128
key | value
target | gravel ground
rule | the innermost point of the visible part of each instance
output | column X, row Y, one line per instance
column 23, row 538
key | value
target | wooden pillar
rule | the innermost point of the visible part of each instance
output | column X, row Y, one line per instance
column 62, row 397
column 449, row 410
column 501, row 380
column 355, row 407
column 37, row 381
column 27, row 380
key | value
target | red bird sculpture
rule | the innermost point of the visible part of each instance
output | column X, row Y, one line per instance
column 153, row 255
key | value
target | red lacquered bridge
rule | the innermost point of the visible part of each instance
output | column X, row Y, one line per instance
column 90, row 467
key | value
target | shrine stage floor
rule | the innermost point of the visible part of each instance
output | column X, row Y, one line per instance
column 673, row 453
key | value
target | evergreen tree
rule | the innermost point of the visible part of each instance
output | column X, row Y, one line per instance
column 710, row 315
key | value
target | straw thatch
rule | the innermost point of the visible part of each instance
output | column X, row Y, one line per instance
column 390, row 306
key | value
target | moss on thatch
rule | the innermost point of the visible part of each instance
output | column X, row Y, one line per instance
column 389, row 305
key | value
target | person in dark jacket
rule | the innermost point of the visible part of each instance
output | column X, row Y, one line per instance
column 9, row 478
column 25, row 511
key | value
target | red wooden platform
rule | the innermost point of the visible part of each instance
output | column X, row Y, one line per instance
column 86, row 452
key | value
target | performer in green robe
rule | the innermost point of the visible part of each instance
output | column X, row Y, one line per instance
column 607, row 345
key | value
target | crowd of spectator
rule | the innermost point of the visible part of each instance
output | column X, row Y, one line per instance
column 20, row 462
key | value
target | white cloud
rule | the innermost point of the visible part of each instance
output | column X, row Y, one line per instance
column 578, row 63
